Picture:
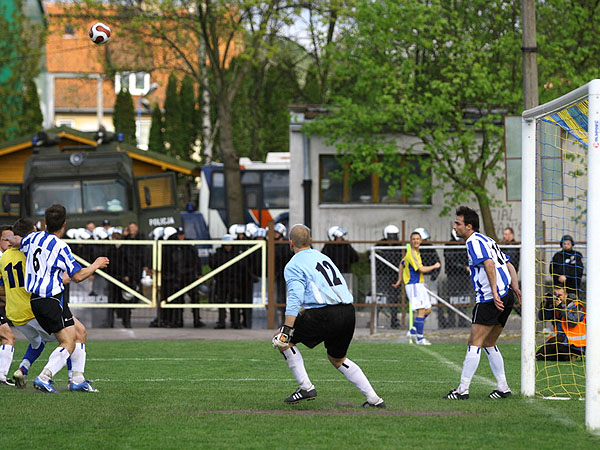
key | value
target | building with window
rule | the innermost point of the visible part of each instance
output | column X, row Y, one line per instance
column 322, row 194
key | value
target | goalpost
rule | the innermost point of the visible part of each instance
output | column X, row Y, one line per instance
column 561, row 196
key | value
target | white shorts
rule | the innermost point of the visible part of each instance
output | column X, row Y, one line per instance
column 418, row 296
column 34, row 333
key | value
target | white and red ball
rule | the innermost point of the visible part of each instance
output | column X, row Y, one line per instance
column 100, row 33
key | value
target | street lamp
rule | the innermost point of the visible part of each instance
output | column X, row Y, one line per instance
column 142, row 100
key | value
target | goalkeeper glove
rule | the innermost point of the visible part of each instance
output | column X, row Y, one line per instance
column 283, row 338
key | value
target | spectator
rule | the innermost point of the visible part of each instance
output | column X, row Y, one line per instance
column 226, row 286
column 386, row 275
column 90, row 226
column 343, row 255
column 190, row 270
column 106, row 224
column 514, row 253
column 459, row 288
column 567, row 267
column 282, row 256
column 567, row 341
column 119, row 269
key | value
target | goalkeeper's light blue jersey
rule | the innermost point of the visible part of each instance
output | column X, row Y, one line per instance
column 313, row 281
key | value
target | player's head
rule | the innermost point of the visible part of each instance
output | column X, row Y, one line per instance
column 6, row 235
column 23, row 227
column 56, row 218
column 415, row 239
column 299, row 237
column 466, row 222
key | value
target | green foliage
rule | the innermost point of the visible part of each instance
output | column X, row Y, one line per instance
column 156, row 141
column 189, row 115
column 21, row 46
column 32, row 117
column 173, row 120
column 444, row 77
column 124, row 116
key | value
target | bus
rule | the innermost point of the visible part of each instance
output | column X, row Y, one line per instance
column 265, row 191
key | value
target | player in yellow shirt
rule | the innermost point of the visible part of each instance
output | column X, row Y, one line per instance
column 7, row 338
column 410, row 271
column 18, row 306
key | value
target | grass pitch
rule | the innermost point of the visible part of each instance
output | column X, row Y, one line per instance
column 202, row 394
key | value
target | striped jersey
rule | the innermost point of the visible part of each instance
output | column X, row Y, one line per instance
column 48, row 258
column 12, row 277
column 313, row 281
column 410, row 273
column 480, row 248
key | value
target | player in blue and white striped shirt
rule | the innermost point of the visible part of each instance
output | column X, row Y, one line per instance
column 495, row 282
column 319, row 309
column 48, row 260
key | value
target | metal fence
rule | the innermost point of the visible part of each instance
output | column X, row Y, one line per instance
column 240, row 284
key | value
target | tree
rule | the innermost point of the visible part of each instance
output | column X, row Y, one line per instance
column 173, row 120
column 124, row 116
column 32, row 117
column 443, row 72
column 21, row 46
column 201, row 39
column 189, row 119
column 156, row 141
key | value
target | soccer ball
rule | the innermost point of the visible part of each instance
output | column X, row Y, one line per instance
column 99, row 33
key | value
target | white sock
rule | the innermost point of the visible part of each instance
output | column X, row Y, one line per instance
column 57, row 360
column 296, row 364
column 6, row 357
column 469, row 368
column 497, row 366
column 78, row 363
column 355, row 375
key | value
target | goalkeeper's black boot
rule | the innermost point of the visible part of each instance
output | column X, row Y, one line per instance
column 499, row 394
column 300, row 395
column 455, row 395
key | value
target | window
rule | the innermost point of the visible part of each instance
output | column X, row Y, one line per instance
column 217, row 190
column 276, row 189
column 513, row 162
column 335, row 187
column 104, row 195
column 137, row 83
column 68, row 193
column 11, row 199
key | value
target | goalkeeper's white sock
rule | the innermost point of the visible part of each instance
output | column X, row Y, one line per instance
column 6, row 357
column 497, row 366
column 355, row 375
column 78, row 363
column 57, row 360
column 469, row 368
column 296, row 364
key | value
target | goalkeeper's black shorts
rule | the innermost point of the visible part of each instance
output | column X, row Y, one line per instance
column 332, row 324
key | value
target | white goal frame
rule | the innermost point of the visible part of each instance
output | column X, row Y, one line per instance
column 591, row 91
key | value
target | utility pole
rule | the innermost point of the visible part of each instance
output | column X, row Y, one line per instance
column 530, row 74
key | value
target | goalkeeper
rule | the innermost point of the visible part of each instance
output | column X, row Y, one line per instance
column 567, row 341
column 319, row 309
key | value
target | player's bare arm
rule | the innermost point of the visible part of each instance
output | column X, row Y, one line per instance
column 490, row 271
column 100, row 263
column 427, row 269
column 514, row 281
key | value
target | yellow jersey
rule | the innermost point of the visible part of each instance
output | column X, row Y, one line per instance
column 410, row 273
column 12, row 277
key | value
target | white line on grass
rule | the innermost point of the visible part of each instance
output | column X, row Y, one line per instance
column 235, row 380
column 540, row 407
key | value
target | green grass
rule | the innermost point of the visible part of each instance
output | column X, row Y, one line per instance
column 202, row 394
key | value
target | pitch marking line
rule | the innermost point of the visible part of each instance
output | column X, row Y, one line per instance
column 556, row 415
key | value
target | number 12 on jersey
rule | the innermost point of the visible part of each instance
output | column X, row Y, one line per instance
column 321, row 268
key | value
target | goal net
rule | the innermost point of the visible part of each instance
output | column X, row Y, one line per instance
column 560, row 263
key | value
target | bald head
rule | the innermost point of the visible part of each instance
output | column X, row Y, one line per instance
column 300, row 236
